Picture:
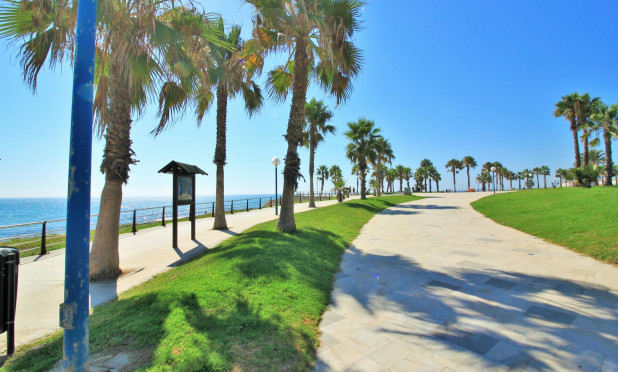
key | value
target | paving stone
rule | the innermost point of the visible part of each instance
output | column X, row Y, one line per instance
column 499, row 283
column 464, row 253
column 480, row 343
column 550, row 315
column 437, row 283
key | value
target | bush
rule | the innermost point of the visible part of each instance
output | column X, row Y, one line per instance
column 586, row 176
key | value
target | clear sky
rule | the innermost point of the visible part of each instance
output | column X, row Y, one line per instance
column 443, row 79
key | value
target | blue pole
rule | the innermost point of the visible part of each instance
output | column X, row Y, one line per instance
column 74, row 310
column 276, row 204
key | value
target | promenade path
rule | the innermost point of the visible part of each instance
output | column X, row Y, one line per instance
column 143, row 255
column 432, row 285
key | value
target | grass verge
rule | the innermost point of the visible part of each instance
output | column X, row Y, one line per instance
column 584, row 220
column 252, row 303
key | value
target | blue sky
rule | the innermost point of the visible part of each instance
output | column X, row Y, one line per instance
column 442, row 79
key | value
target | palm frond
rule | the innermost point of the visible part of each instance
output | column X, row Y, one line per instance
column 172, row 104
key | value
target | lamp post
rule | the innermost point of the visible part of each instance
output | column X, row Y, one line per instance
column 357, row 178
column 493, row 170
column 276, row 161
column 529, row 176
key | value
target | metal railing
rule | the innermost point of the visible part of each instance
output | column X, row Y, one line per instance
column 49, row 235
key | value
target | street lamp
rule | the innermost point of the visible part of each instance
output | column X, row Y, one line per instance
column 493, row 169
column 529, row 176
column 276, row 161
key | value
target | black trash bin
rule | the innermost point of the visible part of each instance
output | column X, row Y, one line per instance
column 9, row 263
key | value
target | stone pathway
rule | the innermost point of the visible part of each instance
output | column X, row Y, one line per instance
column 432, row 285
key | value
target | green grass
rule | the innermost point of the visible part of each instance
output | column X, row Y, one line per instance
column 252, row 303
column 584, row 220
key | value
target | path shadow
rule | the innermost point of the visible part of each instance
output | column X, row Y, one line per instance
column 505, row 319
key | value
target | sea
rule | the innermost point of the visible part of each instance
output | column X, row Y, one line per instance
column 16, row 211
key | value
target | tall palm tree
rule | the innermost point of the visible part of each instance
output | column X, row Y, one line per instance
column 584, row 108
column 220, row 70
column 454, row 166
column 133, row 42
column 400, row 170
column 316, row 36
column 435, row 175
column 545, row 171
column 384, row 154
column 484, row 179
column 469, row 162
column 361, row 150
column 322, row 176
column 537, row 171
column 316, row 115
column 566, row 108
column 604, row 120
column 391, row 176
column 407, row 175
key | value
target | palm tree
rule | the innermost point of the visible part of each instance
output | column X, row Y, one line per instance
column 537, row 171
column 356, row 173
column 484, row 179
column 566, row 107
column 561, row 173
column 335, row 173
column 596, row 157
column 384, row 154
column 391, row 176
column 401, row 173
column 322, row 176
column 469, row 162
column 316, row 114
column 584, row 109
column 407, row 175
column 222, row 71
column 433, row 173
column 604, row 120
column 361, row 150
column 133, row 43
column 545, row 171
column 454, row 166
column 316, row 36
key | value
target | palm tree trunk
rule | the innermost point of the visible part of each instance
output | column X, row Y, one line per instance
column 609, row 164
column 454, row 187
column 544, row 181
column 379, row 175
column 363, row 192
column 468, row 172
column 322, row 188
column 578, row 162
column 220, row 156
column 311, row 164
column 538, row 184
column 117, row 157
column 586, row 157
column 400, row 184
column 437, row 187
column 291, row 172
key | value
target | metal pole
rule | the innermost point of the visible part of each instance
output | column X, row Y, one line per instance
column 494, row 182
column 213, row 209
column 134, row 230
column 276, row 205
column 74, row 311
column 163, row 217
column 44, row 239
column 247, row 205
column 260, row 203
column 232, row 207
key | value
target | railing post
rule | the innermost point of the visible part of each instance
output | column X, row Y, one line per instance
column 213, row 209
column 247, row 205
column 260, row 203
column 320, row 197
column 134, row 221
column 270, row 202
column 329, row 196
column 44, row 239
column 300, row 197
column 232, row 207
column 163, row 217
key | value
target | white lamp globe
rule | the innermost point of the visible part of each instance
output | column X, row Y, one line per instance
column 276, row 161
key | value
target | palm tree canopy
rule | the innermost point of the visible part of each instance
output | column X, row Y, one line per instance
column 469, row 161
column 454, row 165
column 363, row 136
column 323, row 27
column 566, row 108
column 316, row 115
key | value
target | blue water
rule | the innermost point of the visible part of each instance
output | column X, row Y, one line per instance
column 15, row 211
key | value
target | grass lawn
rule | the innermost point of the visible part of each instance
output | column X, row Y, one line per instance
column 252, row 303
column 585, row 220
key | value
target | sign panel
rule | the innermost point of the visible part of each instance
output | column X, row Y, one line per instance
column 185, row 189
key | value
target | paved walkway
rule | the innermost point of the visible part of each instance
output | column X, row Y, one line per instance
column 143, row 255
column 432, row 285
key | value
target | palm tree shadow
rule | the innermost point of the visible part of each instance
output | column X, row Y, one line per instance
column 501, row 317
